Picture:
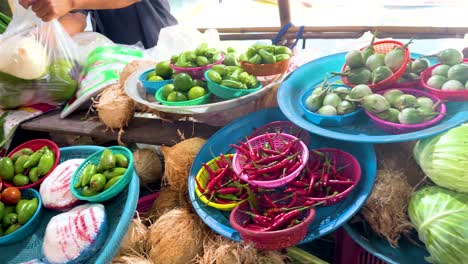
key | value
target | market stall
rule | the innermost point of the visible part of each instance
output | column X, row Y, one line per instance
column 205, row 150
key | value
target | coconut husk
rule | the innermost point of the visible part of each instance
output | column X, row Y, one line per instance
column 148, row 166
column 399, row 156
column 219, row 250
column 385, row 209
column 134, row 240
column 167, row 200
column 131, row 259
column 178, row 160
column 132, row 67
column 176, row 237
column 115, row 109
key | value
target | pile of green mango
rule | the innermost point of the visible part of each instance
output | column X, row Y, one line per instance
column 12, row 217
column 199, row 57
column 97, row 178
column 26, row 166
column 232, row 77
column 266, row 54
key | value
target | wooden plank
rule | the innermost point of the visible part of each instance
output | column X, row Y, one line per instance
column 141, row 130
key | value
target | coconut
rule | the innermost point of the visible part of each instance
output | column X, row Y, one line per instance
column 167, row 200
column 115, row 109
column 135, row 238
column 175, row 238
column 131, row 260
column 178, row 160
column 385, row 209
column 147, row 165
column 134, row 66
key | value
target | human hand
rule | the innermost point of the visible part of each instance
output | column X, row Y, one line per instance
column 48, row 10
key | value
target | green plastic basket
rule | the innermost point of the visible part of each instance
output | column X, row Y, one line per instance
column 199, row 101
column 227, row 92
column 112, row 191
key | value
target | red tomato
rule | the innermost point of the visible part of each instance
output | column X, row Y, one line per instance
column 11, row 195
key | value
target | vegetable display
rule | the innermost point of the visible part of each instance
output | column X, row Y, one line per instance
column 232, row 77
column 97, row 178
column 15, row 212
column 266, row 54
column 201, row 56
column 444, row 158
column 184, row 88
column 451, row 74
column 370, row 67
column 27, row 166
column 440, row 217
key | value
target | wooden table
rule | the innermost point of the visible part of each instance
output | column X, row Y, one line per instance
column 140, row 130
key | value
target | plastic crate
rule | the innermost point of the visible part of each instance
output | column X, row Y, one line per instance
column 349, row 252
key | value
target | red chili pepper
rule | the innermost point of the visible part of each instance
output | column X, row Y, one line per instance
column 210, row 186
column 211, row 173
column 294, row 167
column 269, row 201
column 311, row 184
column 200, row 188
column 272, row 146
column 270, row 152
column 299, row 184
column 293, row 201
column 283, row 154
column 223, row 201
column 240, row 149
column 259, row 219
column 273, row 212
column 229, row 190
column 284, row 219
column 275, row 167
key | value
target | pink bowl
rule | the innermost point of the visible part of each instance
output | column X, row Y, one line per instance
column 395, row 128
column 238, row 161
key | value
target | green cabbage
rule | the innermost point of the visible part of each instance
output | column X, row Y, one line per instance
column 444, row 158
column 441, row 219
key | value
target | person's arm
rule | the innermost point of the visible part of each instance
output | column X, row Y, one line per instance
column 73, row 23
column 51, row 9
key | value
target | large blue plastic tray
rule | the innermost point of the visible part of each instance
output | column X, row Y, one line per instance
column 407, row 251
column 362, row 130
column 119, row 211
column 327, row 218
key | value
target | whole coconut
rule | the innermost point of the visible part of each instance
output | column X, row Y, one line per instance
column 147, row 165
column 178, row 160
column 175, row 238
column 167, row 200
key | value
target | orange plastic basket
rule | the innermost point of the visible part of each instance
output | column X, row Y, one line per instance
column 384, row 46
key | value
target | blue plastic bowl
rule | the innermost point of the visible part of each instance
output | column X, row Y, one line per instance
column 227, row 92
column 28, row 228
column 338, row 120
column 152, row 87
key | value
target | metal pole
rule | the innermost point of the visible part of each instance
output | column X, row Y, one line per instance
column 284, row 12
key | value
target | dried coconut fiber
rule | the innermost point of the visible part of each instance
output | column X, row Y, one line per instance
column 134, row 240
column 385, row 209
column 131, row 259
column 167, row 200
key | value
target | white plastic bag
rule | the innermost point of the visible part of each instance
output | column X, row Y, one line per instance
column 177, row 39
column 38, row 62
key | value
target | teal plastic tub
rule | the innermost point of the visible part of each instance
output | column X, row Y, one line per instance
column 112, row 191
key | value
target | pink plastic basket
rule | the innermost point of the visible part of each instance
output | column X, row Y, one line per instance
column 349, row 252
column 402, row 128
column 278, row 141
column 443, row 95
column 351, row 170
column 197, row 72
column 283, row 127
column 34, row 145
column 384, row 46
column 271, row 240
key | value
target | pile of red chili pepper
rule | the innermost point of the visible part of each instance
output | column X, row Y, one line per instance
column 320, row 179
column 269, row 162
column 223, row 185
column 274, row 212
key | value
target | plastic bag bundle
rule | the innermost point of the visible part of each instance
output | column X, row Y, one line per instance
column 38, row 62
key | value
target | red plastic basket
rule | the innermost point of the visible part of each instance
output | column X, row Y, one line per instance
column 384, row 46
column 196, row 72
column 395, row 128
column 279, row 142
column 351, row 170
column 271, row 240
column 349, row 252
column 443, row 95
column 283, row 127
column 266, row 69
column 35, row 145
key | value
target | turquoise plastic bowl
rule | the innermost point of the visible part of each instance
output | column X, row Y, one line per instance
column 30, row 227
column 227, row 92
column 112, row 191
column 152, row 87
column 338, row 120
